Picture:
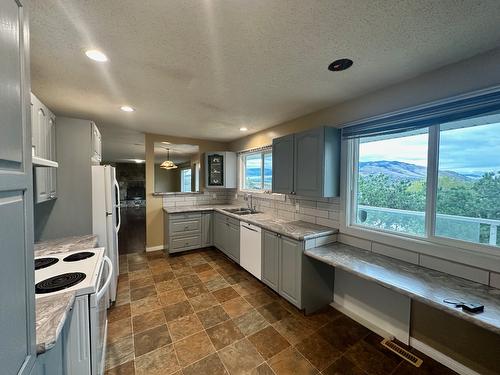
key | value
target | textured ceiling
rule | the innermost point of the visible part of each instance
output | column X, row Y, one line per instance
column 203, row 68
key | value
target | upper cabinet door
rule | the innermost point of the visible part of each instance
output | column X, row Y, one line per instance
column 317, row 163
column 283, row 150
column 309, row 161
column 17, row 315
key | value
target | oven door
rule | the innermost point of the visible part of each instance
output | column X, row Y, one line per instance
column 99, row 319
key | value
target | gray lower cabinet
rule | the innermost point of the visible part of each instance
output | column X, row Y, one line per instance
column 304, row 282
column 290, row 270
column 188, row 231
column 206, row 229
column 233, row 241
column 227, row 236
column 52, row 361
column 270, row 259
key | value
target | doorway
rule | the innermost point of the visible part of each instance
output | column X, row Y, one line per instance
column 131, row 178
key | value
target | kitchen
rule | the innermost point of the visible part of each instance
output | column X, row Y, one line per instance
column 338, row 216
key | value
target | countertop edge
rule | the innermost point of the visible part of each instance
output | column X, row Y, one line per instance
column 42, row 347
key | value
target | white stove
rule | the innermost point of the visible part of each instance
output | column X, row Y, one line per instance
column 83, row 272
column 67, row 272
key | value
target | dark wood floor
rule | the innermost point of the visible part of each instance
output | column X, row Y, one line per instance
column 132, row 234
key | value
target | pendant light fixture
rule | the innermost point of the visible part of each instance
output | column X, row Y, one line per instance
column 168, row 164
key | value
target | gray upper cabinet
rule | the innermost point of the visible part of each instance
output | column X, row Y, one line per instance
column 96, row 152
column 17, row 314
column 220, row 169
column 283, row 150
column 44, row 147
column 313, row 163
column 270, row 259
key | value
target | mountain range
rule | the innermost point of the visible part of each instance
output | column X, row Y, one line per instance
column 405, row 171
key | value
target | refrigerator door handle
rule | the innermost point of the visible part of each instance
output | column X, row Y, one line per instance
column 118, row 219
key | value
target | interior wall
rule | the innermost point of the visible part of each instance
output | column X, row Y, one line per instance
column 475, row 348
column 154, row 204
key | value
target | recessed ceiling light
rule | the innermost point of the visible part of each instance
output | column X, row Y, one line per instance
column 96, row 55
column 340, row 64
column 126, row 108
column 243, row 129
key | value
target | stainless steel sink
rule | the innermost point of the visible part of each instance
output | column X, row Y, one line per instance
column 241, row 211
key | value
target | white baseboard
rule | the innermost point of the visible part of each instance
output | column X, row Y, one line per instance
column 154, row 248
column 441, row 358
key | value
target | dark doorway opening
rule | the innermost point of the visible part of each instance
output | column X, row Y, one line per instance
column 132, row 180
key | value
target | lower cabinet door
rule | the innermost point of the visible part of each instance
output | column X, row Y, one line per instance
column 233, row 242
column 206, row 229
column 219, row 233
column 270, row 259
column 290, row 269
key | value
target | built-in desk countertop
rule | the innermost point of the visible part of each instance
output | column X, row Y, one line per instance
column 423, row 284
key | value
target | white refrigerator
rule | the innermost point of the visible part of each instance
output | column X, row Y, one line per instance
column 106, row 216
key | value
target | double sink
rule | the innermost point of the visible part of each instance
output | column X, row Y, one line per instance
column 241, row 211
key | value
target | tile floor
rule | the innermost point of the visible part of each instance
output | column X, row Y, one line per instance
column 199, row 313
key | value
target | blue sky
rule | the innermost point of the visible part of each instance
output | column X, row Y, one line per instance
column 470, row 150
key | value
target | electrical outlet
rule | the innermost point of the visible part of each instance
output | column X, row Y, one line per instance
column 214, row 195
column 297, row 207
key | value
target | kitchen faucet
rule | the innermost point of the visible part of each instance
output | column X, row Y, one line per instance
column 249, row 204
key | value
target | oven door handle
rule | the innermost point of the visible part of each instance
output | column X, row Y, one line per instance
column 104, row 288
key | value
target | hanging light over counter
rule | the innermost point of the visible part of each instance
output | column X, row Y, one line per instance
column 168, row 164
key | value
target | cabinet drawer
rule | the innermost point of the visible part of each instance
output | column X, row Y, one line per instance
column 227, row 219
column 181, row 226
column 185, row 216
column 185, row 242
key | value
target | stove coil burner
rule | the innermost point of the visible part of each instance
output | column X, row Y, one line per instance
column 78, row 256
column 59, row 282
column 44, row 262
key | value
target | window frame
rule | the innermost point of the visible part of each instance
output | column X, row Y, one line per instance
column 263, row 152
column 434, row 245
column 182, row 180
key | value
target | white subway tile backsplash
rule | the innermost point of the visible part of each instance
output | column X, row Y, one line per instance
column 327, row 222
column 354, row 241
column 395, row 252
column 457, row 269
column 306, row 218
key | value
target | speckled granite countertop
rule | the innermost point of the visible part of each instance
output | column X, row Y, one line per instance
column 420, row 283
column 51, row 314
column 62, row 245
column 298, row 230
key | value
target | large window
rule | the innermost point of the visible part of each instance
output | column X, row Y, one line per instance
column 186, row 180
column 440, row 182
column 392, row 175
column 256, row 168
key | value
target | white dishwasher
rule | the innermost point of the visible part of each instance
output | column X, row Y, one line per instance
column 250, row 248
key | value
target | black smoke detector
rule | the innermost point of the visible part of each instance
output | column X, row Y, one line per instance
column 340, row 64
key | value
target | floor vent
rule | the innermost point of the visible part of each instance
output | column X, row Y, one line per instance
column 403, row 353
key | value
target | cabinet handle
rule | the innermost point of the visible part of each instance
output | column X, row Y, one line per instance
column 186, row 227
